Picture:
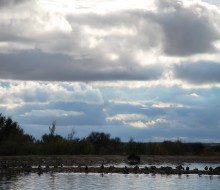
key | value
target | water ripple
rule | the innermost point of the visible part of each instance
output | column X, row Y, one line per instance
column 81, row 181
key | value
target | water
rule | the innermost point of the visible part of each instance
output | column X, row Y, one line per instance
column 81, row 181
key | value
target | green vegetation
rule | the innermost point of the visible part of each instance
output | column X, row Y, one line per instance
column 13, row 141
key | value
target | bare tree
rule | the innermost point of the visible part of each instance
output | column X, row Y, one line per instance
column 52, row 128
column 71, row 135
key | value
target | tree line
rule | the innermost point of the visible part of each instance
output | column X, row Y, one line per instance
column 13, row 141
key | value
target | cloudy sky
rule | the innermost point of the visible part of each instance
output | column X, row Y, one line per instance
column 147, row 70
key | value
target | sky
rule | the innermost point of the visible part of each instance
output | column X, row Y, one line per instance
column 147, row 70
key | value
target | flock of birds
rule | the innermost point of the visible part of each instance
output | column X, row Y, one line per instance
column 126, row 170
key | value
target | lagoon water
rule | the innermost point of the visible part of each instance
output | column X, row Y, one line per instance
column 81, row 181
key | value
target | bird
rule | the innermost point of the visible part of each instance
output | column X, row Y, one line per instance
column 40, row 170
column 86, row 169
column 102, row 168
column 126, row 170
column 39, row 167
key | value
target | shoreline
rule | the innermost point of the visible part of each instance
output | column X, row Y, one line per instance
column 111, row 170
column 78, row 163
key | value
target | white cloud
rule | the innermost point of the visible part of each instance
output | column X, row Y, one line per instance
column 137, row 124
column 52, row 113
column 148, row 124
column 194, row 95
column 167, row 105
column 126, row 117
column 129, row 102
column 184, row 139
column 20, row 93
column 161, row 139
column 95, row 6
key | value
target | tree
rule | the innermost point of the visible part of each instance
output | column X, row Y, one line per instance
column 71, row 135
column 10, row 129
column 100, row 141
column 12, row 138
column 52, row 138
column 52, row 128
column 116, row 146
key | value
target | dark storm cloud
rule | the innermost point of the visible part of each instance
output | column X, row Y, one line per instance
column 174, row 29
column 5, row 3
column 138, row 21
column 182, row 30
column 36, row 65
column 199, row 72
column 187, row 30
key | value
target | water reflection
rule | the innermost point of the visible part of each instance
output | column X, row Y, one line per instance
column 67, row 181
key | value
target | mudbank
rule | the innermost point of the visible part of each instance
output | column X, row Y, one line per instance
column 179, row 170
